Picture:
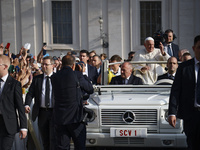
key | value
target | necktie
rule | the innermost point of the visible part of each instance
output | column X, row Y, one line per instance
column 169, row 50
column 198, row 87
column 171, row 77
column 47, row 92
column 0, row 85
column 126, row 81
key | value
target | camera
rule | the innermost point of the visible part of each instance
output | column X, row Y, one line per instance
column 44, row 51
column 158, row 37
column 81, row 63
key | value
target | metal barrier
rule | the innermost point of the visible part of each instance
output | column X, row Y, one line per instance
column 33, row 134
column 106, row 64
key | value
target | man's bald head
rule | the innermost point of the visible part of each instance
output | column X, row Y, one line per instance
column 126, row 70
column 5, row 60
column 4, row 65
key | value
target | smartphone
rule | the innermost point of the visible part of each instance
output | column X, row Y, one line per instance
column 16, row 70
column 44, row 51
column 7, row 46
column 32, row 60
column 27, row 46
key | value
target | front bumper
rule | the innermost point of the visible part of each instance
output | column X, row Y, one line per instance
column 152, row 140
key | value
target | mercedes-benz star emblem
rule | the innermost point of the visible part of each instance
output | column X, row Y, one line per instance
column 128, row 117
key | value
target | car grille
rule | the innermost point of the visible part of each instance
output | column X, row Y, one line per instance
column 142, row 117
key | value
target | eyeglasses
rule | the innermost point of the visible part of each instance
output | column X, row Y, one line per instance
column 46, row 64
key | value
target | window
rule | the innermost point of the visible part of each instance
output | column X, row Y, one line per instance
column 150, row 18
column 62, row 22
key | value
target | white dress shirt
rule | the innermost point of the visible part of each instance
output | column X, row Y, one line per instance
column 118, row 73
column 171, row 75
column 86, row 70
column 43, row 92
column 126, row 80
column 166, row 48
column 4, row 78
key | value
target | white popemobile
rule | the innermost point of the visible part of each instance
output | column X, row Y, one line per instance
column 132, row 116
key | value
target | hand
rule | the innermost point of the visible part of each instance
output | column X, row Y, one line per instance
column 44, row 47
column 30, row 78
column 10, row 55
column 27, row 109
column 143, row 69
column 172, row 121
column 1, row 48
column 161, row 49
column 28, row 72
column 22, row 134
column 21, row 50
column 83, row 68
column 21, row 74
column 35, row 66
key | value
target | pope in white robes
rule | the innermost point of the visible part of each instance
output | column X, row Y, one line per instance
column 149, row 72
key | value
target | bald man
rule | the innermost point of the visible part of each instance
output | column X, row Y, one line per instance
column 172, row 65
column 126, row 76
column 10, row 101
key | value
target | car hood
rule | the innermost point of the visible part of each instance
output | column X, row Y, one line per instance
column 130, row 99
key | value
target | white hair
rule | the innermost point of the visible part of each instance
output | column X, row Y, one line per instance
column 148, row 39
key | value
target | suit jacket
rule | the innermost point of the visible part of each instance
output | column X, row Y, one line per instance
column 92, row 73
column 68, row 106
column 35, row 91
column 164, row 76
column 182, row 95
column 10, row 100
column 175, row 49
column 132, row 80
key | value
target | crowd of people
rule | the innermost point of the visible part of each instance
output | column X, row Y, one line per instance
column 60, row 84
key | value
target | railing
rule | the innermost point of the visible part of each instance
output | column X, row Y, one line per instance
column 106, row 64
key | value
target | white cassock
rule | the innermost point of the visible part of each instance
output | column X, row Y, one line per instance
column 149, row 76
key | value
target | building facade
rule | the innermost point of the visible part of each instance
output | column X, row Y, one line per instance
column 106, row 26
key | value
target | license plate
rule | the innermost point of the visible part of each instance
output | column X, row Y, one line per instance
column 128, row 132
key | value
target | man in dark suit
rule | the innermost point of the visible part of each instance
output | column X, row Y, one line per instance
column 169, row 47
column 96, row 62
column 68, row 109
column 41, row 90
column 90, row 71
column 10, row 101
column 184, row 100
column 172, row 65
column 126, row 76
